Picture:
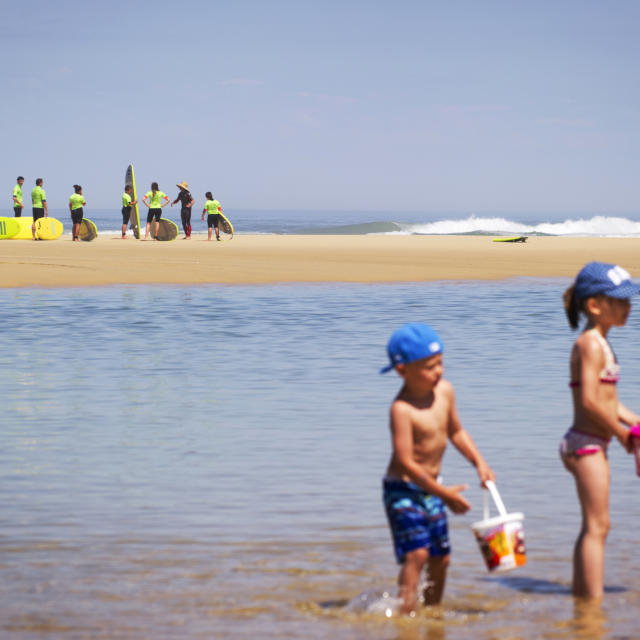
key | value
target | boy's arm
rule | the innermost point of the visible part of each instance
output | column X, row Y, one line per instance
column 402, row 441
column 464, row 443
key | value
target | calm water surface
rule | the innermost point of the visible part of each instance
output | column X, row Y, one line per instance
column 205, row 462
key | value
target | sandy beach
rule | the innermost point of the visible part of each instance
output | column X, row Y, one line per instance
column 254, row 259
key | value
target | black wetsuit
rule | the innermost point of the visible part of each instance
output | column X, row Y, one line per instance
column 185, row 212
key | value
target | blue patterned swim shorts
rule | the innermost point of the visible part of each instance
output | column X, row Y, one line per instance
column 417, row 519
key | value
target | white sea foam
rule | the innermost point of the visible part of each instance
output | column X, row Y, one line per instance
column 595, row 226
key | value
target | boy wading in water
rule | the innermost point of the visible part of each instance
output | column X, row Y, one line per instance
column 423, row 418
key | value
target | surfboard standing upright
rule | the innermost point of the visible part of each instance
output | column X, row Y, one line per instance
column 225, row 225
column 134, row 220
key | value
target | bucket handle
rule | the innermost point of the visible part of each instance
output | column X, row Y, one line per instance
column 493, row 490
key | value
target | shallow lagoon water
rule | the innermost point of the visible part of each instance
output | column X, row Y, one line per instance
column 206, row 462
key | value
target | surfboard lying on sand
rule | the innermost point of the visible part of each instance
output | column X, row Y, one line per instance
column 24, row 228
column 134, row 219
column 48, row 229
column 88, row 230
column 164, row 230
column 8, row 228
column 225, row 226
column 515, row 239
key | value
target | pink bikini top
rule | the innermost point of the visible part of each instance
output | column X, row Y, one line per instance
column 610, row 373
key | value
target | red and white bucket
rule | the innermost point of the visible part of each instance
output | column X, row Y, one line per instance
column 501, row 538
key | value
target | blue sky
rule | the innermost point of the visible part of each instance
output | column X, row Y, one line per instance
column 453, row 107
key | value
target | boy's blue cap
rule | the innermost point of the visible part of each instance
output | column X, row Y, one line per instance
column 412, row 342
column 601, row 278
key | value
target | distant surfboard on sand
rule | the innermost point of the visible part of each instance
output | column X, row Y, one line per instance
column 164, row 230
column 88, row 230
column 514, row 239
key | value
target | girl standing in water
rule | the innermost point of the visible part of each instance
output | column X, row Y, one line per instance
column 601, row 292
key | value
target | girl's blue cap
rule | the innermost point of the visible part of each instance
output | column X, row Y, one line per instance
column 600, row 278
column 412, row 342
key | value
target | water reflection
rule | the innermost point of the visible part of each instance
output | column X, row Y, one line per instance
column 589, row 620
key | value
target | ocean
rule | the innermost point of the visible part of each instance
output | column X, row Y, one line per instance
column 388, row 222
column 206, row 462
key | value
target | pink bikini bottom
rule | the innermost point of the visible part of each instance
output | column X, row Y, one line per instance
column 580, row 443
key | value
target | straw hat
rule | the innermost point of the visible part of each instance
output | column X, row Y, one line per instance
column 183, row 185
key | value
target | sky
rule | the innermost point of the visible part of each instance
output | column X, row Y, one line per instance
column 459, row 107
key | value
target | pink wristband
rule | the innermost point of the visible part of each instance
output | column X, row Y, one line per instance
column 634, row 430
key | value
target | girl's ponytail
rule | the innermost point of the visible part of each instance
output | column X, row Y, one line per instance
column 572, row 306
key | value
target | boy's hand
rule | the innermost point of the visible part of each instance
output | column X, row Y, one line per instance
column 485, row 473
column 455, row 501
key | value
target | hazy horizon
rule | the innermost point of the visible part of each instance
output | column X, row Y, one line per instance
column 466, row 108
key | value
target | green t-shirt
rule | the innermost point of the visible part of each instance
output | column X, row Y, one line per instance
column 17, row 194
column 126, row 200
column 38, row 197
column 77, row 201
column 155, row 201
column 212, row 206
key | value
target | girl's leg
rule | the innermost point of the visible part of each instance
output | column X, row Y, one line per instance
column 591, row 473
column 437, row 575
column 409, row 577
column 146, row 230
column 217, row 233
column 124, row 230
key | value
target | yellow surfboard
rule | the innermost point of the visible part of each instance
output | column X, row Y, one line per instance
column 225, row 226
column 88, row 230
column 24, row 228
column 8, row 228
column 134, row 220
column 165, row 230
column 48, row 228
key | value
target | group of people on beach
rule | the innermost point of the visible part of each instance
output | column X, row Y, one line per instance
column 153, row 200
column 423, row 417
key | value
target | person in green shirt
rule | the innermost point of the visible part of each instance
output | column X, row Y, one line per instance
column 153, row 201
column 127, row 203
column 18, row 204
column 39, row 205
column 76, row 202
column 212, row 208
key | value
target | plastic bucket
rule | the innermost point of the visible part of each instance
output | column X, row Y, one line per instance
column 500, row 538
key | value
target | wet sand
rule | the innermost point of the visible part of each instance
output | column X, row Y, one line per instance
column 255, row 259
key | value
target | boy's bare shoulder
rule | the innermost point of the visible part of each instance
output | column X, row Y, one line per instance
column 443, row 391
column 446, row 388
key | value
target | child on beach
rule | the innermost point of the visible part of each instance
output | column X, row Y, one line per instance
column 601, row 292
column 76, row 204
column 127, row 203
column 212, row 208
column 423, row 418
